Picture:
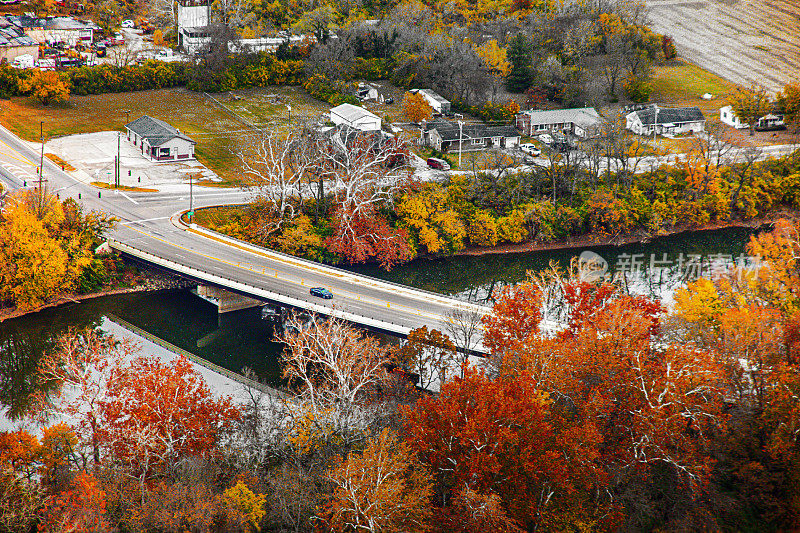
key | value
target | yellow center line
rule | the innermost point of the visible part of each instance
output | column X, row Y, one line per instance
column 366, row 299
column 12, row 156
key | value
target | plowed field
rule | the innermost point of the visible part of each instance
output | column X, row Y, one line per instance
column 743, row 41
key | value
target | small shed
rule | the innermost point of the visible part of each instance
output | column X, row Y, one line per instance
column 159, row 140
column 439, row 104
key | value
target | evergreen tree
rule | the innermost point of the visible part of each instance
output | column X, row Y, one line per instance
column 519, row 55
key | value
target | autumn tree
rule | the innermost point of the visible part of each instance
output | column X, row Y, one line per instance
column 429, row 354
column 498, row 436
column 79, row 366
column 82, row 508
column 789, row 104
column 416, row 108
column 496, row 61
column 46, row 86
column 34, row 268
column 334, row 368
column 156, row 414
column 366, row 177
column 750, row 105
column 383, row 488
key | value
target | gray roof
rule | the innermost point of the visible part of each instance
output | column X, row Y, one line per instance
column 432, row 95
column 157, row 132
column 351, row 112
column 665, row 115
column 582, row 116
column 448, row 131
column 12, row 36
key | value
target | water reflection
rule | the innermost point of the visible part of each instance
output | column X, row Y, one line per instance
column 475, row 277
column 232, row 340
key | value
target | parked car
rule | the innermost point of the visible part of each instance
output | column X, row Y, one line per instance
column 529, row 148
column 438, row 164
column 115, row 40
column 46, row 64
column 321, row 292
column 546, row 138
column 127, row 23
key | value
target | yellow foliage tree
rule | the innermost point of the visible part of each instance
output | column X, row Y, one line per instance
column 511, row 228
column 429, row 218
column 482, row 230
column 158, row 38
column 416, row 108
column 244, row 501
column 46, row 86
column 495, row 57
column 34, row 269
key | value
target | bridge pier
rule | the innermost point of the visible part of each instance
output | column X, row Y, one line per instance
column 226, row 301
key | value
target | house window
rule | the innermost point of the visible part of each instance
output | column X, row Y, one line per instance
column 541, row 127
column 163, row 152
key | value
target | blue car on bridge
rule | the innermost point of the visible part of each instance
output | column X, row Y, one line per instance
column 321, row 292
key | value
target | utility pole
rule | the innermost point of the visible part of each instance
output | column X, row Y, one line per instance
column 290, row 112
column 116, row 163
column 460, row 132
column 41, row 165
column 191, row 198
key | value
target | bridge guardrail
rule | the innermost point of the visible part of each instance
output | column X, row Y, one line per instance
column 196, row 358
column 315, row 264
column 258, row 291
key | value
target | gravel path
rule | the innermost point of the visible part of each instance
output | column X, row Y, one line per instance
column 743, row 41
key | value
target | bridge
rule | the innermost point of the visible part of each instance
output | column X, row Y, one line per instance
column 151, row 231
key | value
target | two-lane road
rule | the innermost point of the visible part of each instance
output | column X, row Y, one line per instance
column 149, row 229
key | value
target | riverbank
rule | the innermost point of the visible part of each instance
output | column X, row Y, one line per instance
column 152, row 282
column 637, row 237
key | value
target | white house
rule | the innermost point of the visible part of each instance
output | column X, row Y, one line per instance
column 355, row 117
column 767, row 122
column 577, row 121
column 663, row 120
column 439, row 104
column 14, row 43
column 158, row 140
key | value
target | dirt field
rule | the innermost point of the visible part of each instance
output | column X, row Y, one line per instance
column 743, row 41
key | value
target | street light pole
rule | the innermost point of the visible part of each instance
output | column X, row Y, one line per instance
column 191, row 198
column 460, row 135
column 116, row 168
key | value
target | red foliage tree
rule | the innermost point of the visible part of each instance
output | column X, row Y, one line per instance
column 515, row 317
column 157, row 413
column 498, row 436
column 361, row 237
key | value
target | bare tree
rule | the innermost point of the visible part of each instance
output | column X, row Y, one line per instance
column 463, row 325
column 333, row 367
column 277, row 167
column 364, row 170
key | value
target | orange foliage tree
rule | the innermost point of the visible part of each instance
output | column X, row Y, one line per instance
column 499, row 436
column 382, row 488
column 156, row 414
column 78, row 510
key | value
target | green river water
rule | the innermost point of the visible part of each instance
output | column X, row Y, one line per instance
column 243, row 339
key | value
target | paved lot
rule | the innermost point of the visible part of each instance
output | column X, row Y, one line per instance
column 92, row 154
column 743, row 41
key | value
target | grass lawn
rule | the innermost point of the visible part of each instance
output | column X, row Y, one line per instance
column 680, row 84
column 189, row 112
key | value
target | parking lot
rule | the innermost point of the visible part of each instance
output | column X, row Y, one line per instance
column 93, row 154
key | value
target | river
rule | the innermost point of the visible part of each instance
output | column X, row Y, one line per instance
column 242, row 339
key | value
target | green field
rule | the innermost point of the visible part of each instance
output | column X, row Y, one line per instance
column 680, row 84
column 190, row 112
